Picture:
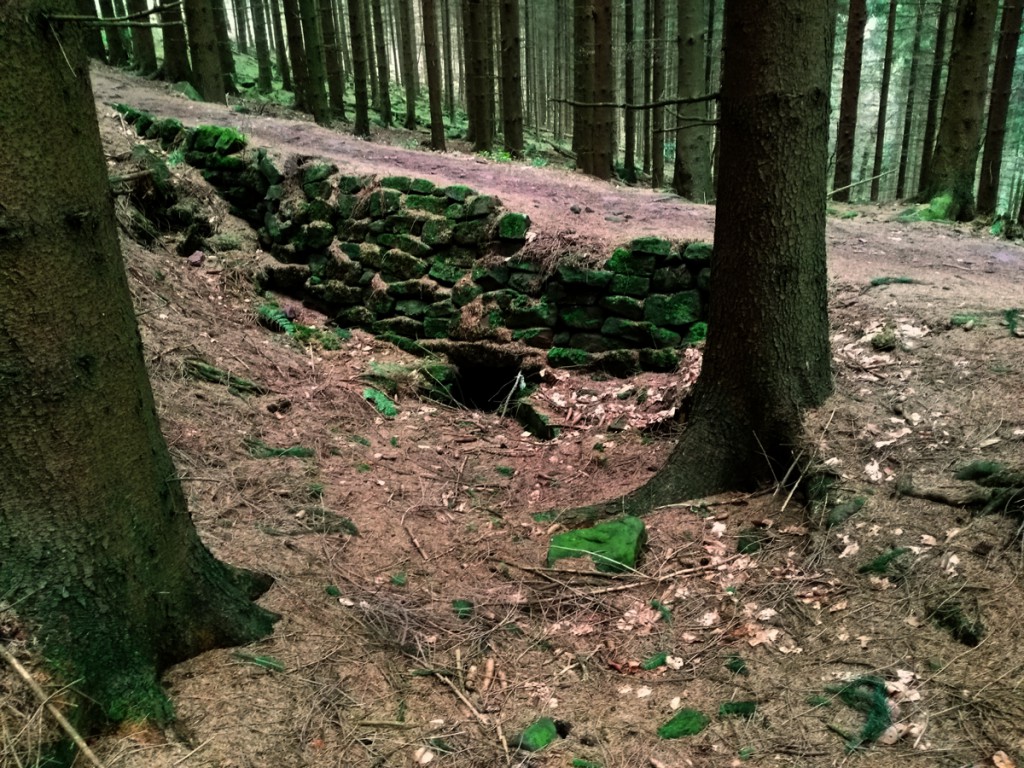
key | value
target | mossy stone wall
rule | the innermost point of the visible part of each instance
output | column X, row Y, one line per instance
column 402, row 256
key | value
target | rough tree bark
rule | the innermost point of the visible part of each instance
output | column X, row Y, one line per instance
column 434, row 84
column 142, row 40
column 745, row 423
column 691, row 176
column 117, row 55
column 583, row 84
column 449, row 62
column 908, row 112
column 512, row 79
column 657, row 94
column 479, row 52
column 264, row 76
column 934, row 94
column 383, row 75
column 207, row 75
column 316, row 67
column 227, row 59
column 629, row 164
column 999, row 106
column 410, row 79
column 954, row 162
column 279, row 42
column 360, row 67
column 176, row 67
column 297, row 51
column 602, row 131
column 846, row 135
column 97, row 549
column 332, row 59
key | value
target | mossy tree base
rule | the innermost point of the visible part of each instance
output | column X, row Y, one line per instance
column 98, row 553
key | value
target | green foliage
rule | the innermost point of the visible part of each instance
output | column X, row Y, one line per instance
column 655, row 661
column 614, row 546
column 876, row 281
column 685, row 722
column 1013, row 319
column 384, row 405
column 267, row 662
column 273, row 317
column 866, row 695
column 176, row 157
column 744, row 709
column 952, row 617
column 737, row 665
column 462, row 608
column 663, row 610
column 880, row 564
column 964, row 319
column 537, row 736
column 260, row 450
column 505, row 471
column 399, row 579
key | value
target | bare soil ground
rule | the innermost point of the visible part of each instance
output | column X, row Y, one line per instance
column 370, row 665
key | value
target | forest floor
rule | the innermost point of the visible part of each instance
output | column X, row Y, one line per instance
column 369, row 664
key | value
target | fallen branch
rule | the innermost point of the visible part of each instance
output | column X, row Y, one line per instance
column 639, row 107
column 68, row 728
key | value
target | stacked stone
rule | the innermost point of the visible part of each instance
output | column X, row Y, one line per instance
column 405, row 257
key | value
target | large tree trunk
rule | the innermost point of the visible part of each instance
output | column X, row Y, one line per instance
column 953, row 165
column 383, row 75
column 602, row 138
column 360, row 67
column 512, row 79
column 93, row 37
column 227, row 58
column 142, row 39
column 629, row 164
column 745, row 424
column 280, row 43
column 449, row 62
column 207, row 75
column 691, row 176
column 332, row 59
column 97, row 549
column 883, row 102
column 479, row 52
column 999, row 106
column 434, row 84
column 410, row 79
column 313, row 40
column 117, row 54
column 176, row 67
column 934, row 95
column 846, row 135
column 264, row 76
column 297, row 51
column 583, row 85
column 657, row 94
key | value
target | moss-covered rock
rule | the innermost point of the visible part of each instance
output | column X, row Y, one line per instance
column 697, row 255
column 671, row 280
column 355, row 317
column 568, row 357
column 571, row 275
column 464, row 292
column 379, row 303
column 640, row 333
column 626, row 262
column 422, row 289
column 525, row 312
column 704, row 280
column 583, row 318
column 401, row 183
column 442, row 270
column 591, row 342
column 411, row 308
column 652, row 246
column 526, row 282
column 621, row 363
column 623, row 306
column 212, row 138
column 439, row 327
column 334, row 294
column 614, row 546
column 436, row 232
column 315, row 236
column 382, row 202
column 408, row 243
column 674, row 310
column 317, row 171
column 696, row 334
column 428, row 203
column 345, row 205
column 351, row 185
column 267, row 168
column 458, row 192
column 401, row 265
column 474, row 232
column 513, row 227
column 286, row 278
column 660, row 360
column 541, row 338
column 630, row 285
column 491, row 277
column 400, row 326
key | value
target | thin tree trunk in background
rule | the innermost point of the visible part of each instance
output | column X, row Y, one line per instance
column 142, row 40
column 407, row 39
column 629, row 68
column 116, row 53
column 648, row 79
column 240, row 26
column 296, row 48
column 934, row 95
column 176, row 67
column 691, row 176
column 264, row 77
column 480, row 53
column 360, row 68
column 583, row 84
column 883, row 101
column 383, row 74
column 469, row 79
column 227, row 58
column 449, row 65
column 847, row 131
column 343, row 37
column 434, row 83
column 532, row 88
column 490, row 82
column 657, row 94
column 603, row 129
column 371, row 58
column 207, row 76
column 122, row 32
column 908, row 113
column 91, row 34
column 279, row 40
column 512, row 79
column 954, row 162
column 999, row 106
column 332, row 60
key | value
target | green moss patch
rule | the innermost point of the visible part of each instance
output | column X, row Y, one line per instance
column 685, row 722
column 614, row 546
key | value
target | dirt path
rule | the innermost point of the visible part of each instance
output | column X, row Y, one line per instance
column 974, row 268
